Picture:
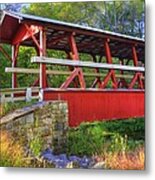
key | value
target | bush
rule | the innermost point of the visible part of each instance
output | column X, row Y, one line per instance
column 86, row 140
column 98, row 137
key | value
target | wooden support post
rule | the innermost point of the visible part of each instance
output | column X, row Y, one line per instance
column 42, row 53
column 135, row 58
column 15, row 49
column 74, row 50
column 122, row 83
column 37, row 81
column 107, row 51
column 24, row 32
column 109, row 61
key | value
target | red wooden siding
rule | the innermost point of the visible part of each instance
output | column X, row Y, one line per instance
column 99, row 105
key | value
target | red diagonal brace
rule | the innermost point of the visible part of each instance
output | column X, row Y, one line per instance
column 141, row 85
column 122, row 82
column 137, row 76
column 106, row 79
column 97, row 79
column 69, row 79
column 77, row 71
column 35, row 83
column 111, row 73
column 133, row 81
column 32, row 30
column 24, row 33
column 75, row 81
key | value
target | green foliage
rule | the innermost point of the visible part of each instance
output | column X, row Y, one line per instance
column 133, row 128
column 118, row 143
column 125, row 17
column 11, row 106
column 36, row 145
column 97, row 137
column 81, row 12
column 5, row 79
column 85, row 140
column 24, row 61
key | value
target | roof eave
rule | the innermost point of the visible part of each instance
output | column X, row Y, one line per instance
column 38, row 19
column 6, row 13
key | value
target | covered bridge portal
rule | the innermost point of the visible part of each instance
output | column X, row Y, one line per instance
column 116, row 66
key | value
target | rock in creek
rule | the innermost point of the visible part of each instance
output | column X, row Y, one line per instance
column 64, row 161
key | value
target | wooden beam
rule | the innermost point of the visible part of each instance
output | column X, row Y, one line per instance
column 56, row 72
column 17, row 90
column 35, row 71
column 112, row 36
column 66, row 62
column 42, row 78
column 15, row 51
column 111, row 73
column 56, row 40
column 10, row 99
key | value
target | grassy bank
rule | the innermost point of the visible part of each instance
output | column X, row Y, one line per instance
column 119, row 144
column 99, row 137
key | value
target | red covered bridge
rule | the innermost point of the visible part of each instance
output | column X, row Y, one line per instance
column 110, row 85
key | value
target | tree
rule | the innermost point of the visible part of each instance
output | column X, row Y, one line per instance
column 126, row 17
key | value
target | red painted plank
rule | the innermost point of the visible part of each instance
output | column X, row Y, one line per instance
column 99, row 105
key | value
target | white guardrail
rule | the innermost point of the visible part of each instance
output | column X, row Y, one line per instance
column 66, row 62
column 18, row 94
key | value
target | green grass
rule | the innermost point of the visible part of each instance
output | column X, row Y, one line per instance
column 98, row 137
column 11, row 106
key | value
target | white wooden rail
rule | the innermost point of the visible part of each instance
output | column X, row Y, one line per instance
column 67, row 62
column 9, row 94
column 58, row 72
